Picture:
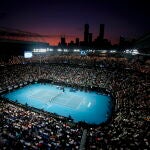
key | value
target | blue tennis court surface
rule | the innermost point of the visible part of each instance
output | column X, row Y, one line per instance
column 81, row 106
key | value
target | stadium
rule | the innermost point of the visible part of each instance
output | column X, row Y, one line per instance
column 55, row 98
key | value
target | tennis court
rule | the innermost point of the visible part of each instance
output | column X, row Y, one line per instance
column 81, row 106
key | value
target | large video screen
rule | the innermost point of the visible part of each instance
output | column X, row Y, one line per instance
column 27, row 54
column 83, row 53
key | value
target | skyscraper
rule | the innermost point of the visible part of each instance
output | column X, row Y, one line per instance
column 63, row 40
column 77, row 41
column 90, row 37
column 86, row 33
column 101, row 32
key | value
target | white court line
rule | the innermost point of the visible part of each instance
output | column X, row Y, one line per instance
column 79, row 105
column 68, row 102
column 89, row 104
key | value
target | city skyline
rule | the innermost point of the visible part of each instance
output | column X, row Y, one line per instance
column 67, row 18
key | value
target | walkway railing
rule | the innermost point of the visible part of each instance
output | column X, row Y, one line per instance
column 83, row 140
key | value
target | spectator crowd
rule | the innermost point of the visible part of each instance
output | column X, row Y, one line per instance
column 128, row 82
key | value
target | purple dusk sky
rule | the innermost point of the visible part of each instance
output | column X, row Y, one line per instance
column 128, row 18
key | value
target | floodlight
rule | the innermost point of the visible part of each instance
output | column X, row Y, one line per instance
column 27, row 54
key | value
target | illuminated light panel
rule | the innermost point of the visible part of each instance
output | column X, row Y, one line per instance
column 76, row 50
column 131, row 51
column 113, row 51
column 59, row 50
column 27, row 54
column 65, row 50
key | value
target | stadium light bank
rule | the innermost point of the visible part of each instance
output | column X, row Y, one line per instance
column 131, row 51
column 45, row 50
column 42, row 50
